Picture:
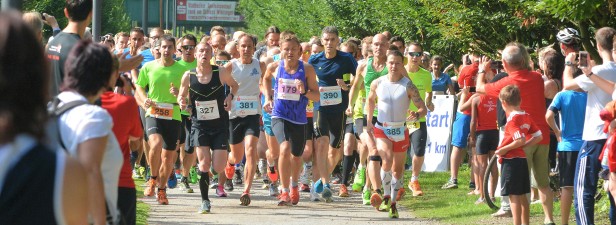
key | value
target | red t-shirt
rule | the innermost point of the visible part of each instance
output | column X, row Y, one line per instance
column 468, row 77
column 610, row 149
column 530, row 84
column 519, row 124
column 126, row 122
column 486, row 113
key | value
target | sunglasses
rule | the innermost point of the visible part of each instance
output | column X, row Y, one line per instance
column 415, row 54
column 221, row 62
column 188, row 47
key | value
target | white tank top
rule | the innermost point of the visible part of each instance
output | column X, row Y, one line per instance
column 247, row 77
column 393, row 99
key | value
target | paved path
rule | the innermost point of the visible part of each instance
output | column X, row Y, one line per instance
column 182, row 209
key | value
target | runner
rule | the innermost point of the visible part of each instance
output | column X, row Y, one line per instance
column 163, row 119
column 350, row 144
column 294, row 82
column 244, row 115
column 272, row 38
column 394, row 92
column 205, row 88
column 418, row 130
column 331, row 67
column 373, row 68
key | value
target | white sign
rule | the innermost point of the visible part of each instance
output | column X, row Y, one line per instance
column 439, row 124
column 220, row 11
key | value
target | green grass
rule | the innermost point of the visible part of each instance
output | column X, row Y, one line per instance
column 143, row 209
column 454, row 206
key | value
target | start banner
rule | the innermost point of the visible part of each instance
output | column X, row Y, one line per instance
column 439, row 124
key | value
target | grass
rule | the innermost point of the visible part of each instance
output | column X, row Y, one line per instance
column 454, row 206
column 143, row 209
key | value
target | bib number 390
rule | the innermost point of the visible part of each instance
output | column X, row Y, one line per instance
column 331, row 95
column 207, row 110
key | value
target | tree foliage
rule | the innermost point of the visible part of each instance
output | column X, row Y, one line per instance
column 445, row 27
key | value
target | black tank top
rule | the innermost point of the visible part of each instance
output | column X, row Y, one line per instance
column 29, row 197
column 212, row 91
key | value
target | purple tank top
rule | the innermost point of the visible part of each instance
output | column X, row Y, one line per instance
column 288, row 103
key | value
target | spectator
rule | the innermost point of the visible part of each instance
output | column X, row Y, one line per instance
column 552, row 64
column 121, row 41
column 441, row 82
column 85, row 130
column 22, row 119
column 35, row 21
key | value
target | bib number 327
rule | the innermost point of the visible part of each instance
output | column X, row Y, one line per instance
column 207, row 110
column 331, row 95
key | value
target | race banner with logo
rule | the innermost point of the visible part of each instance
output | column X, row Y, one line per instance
column 439, row 124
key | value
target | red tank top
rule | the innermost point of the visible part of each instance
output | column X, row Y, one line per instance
column 486, row 113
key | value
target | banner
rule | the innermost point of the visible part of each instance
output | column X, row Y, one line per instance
column 219, row 11
column 439, row 124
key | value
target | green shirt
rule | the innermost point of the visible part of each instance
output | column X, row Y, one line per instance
column 158, row 79
column 189, row 66
column 371, row 75
column 423, row 81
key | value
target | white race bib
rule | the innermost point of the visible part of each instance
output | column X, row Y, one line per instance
column 287, row 90
column 331, row 95
column 162, row 111
column 246, row 105
column 394, row 130
column 207, row 110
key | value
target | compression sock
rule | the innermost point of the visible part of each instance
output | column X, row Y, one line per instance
column 386, row 177
column 204, row 185
column 347, row 166
column 394, row 189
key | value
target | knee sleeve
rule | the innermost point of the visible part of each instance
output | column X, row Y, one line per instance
column 375, row 158
column 202, row 174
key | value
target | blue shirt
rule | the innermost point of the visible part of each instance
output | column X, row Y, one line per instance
column 147, row 56
column 441, row 83
column 571, row 105
column 328, row 70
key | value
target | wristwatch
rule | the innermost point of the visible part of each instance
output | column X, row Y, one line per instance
column 569, row 63
column 590, row 74
column 481, row 71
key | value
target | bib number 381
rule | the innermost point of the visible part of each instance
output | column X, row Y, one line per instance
column 331, row 95
column 162, row 111
column 246, row 105
column 207, row 110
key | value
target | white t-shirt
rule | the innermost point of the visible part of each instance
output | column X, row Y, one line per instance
column 597, row 98
column 87, row 122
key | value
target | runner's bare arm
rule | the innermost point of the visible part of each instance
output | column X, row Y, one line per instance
column 182, row 96
column 358, row 83
column 267, row 85
column 370, row 101
column 413, row 93
column 311, row 78
column 141, row 97
column 473, row 128
column 226, row 78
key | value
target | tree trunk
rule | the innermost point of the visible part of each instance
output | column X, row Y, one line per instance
column 585, row 35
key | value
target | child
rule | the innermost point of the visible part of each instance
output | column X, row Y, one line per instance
column 222, row 58
column 515, row 179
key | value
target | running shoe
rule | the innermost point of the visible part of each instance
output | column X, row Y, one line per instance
column 360, row 180
column 172, row 182
column 229, row 171
column 304, row 178
column 415, row 188
column 294, row 195
column 327, row 194
column 366, row 197
column 273, row 189
column 343, row 191
column 245, row 199
column 304, row 188
column 178, row 173
column 214, row 182
column 142, row 172
column 185, row 186
column 450, row 185
column 401, row 194
column 284, row 199
column 471, row 185
column 161, row 197
column 149, row 190
column 314, row 196
column 237, row 177
column 393, row 211
column 220, row 192
column 386, row 204
column 205, row 207
column 136, row 174
column 336, row 178
column 375, row 200
column 273, row 175
column 194, row 176
column 318, row 186
column 229, row 185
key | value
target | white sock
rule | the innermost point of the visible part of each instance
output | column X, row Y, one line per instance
column 394, row 189
column 360, row 167
column 386, row 179
column 414, row 178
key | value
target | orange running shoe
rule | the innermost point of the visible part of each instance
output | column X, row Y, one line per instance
column 285, row 200
column 272, row 176
column 149, row 190
column 229, row 171
column 401, row 194
column 294, row 195
column 375, row 200
column 343, row 191
column 415, row 188
column 162, row 197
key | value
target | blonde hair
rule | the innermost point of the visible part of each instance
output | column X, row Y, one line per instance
column 34, row 21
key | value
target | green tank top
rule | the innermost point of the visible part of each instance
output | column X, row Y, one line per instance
column 371, row 75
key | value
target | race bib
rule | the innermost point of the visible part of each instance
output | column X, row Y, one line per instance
column 394, row 130
column 287, row 90
column 310, row 107
column 207, row 110
column 412, row 126
column 246, row 105
column 162, row 111
column 331, row 95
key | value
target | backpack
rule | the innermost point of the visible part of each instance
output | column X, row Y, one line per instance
column 54, row 137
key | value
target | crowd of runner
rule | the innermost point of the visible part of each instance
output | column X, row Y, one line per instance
column 224, row 110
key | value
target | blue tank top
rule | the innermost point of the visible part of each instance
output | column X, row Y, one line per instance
column 293, row 111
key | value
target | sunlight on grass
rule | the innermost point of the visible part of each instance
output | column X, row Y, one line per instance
column 143, row 209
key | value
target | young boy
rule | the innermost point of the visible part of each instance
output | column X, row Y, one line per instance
column 515, row 180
